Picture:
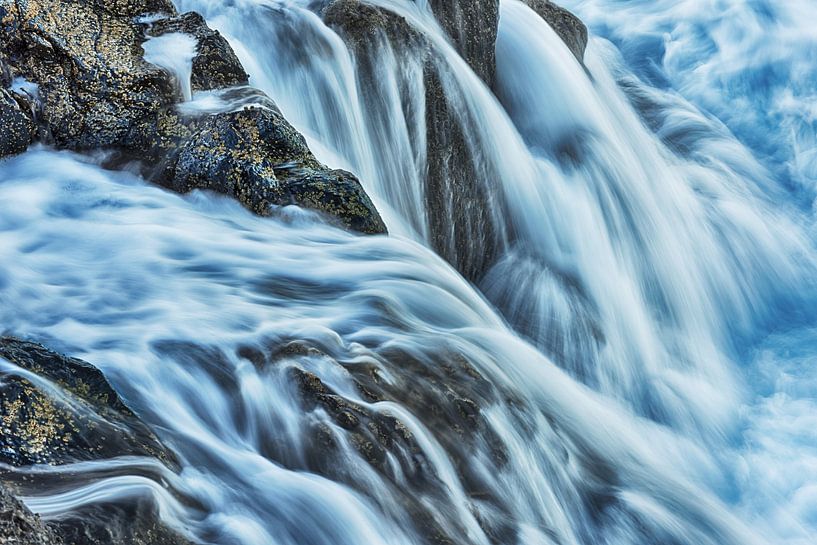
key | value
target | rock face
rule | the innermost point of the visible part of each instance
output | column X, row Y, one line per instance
column 96, row 91
column 56, row 410
column 472, row 26
column 19, row 526
column 461, row 225
column 569, row 27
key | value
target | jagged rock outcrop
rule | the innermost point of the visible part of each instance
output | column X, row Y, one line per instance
column 570, row 28
column 56, row 410
column 97, row 92
column 215, row 65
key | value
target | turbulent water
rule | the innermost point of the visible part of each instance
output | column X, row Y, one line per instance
column 649, row 321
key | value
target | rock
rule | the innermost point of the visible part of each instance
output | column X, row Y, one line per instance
column 41, row 427
column 135, row 524
column 75, row 416
column 87, row 61
column 19, row 526
column 446, row 393
column 256, row 156
column 570, row 28
column 215, row 65
column 17, row 129
column 461, row 224
column 96, row 91
column 473, row 26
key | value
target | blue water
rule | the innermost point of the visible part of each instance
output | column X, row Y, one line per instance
column 652, row 313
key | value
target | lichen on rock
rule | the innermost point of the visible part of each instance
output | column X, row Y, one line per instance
column 97, row 92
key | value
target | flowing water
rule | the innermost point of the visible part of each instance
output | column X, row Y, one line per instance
column 647, row 325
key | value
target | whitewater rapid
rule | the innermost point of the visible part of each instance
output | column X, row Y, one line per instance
column 650, row 247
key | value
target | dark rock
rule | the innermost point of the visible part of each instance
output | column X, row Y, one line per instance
column 134, row 523
column 256, row 156
column 87, row 61
column 19, row 526
column 445, row 392
column 459, row 200
column 97, row 91
column 472, row 26
column 75, row 416
column 39, row 427
column 215, row 65
column 17, row 129
column 570, row 28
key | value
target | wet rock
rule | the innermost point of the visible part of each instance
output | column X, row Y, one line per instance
column 133, row 523
column 19, row 526
column 459, row 200
column 570, row 28
column 59, row 410
column 256, row 156
column 215, row 65
column 473, row 26
column 17, row 129
column 86, row 58
column 444, row 392
column 56, row 410
column 96, row 91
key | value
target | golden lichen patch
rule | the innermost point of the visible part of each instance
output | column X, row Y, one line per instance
column 38, row 425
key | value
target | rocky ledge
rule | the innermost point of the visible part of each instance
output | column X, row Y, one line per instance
column 73, row 75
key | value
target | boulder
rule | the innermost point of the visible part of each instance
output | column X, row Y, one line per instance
column 215, row 65
column 256, row 156
column 60, row 410
column 570, row 28
column 96, row 91
column 57, row 410
column 87, row 60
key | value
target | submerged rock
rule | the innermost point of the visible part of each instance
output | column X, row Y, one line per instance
column 444, row 392
column 570, row 28
column 96, row 91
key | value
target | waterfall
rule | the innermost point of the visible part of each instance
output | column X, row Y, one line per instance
column 610, row 346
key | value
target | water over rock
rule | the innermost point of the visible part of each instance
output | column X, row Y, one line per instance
column 96, row 91
column 57, row 410
column 570, row 28
column 461, row 226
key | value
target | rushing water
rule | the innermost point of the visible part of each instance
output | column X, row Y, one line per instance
column 647, row 323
